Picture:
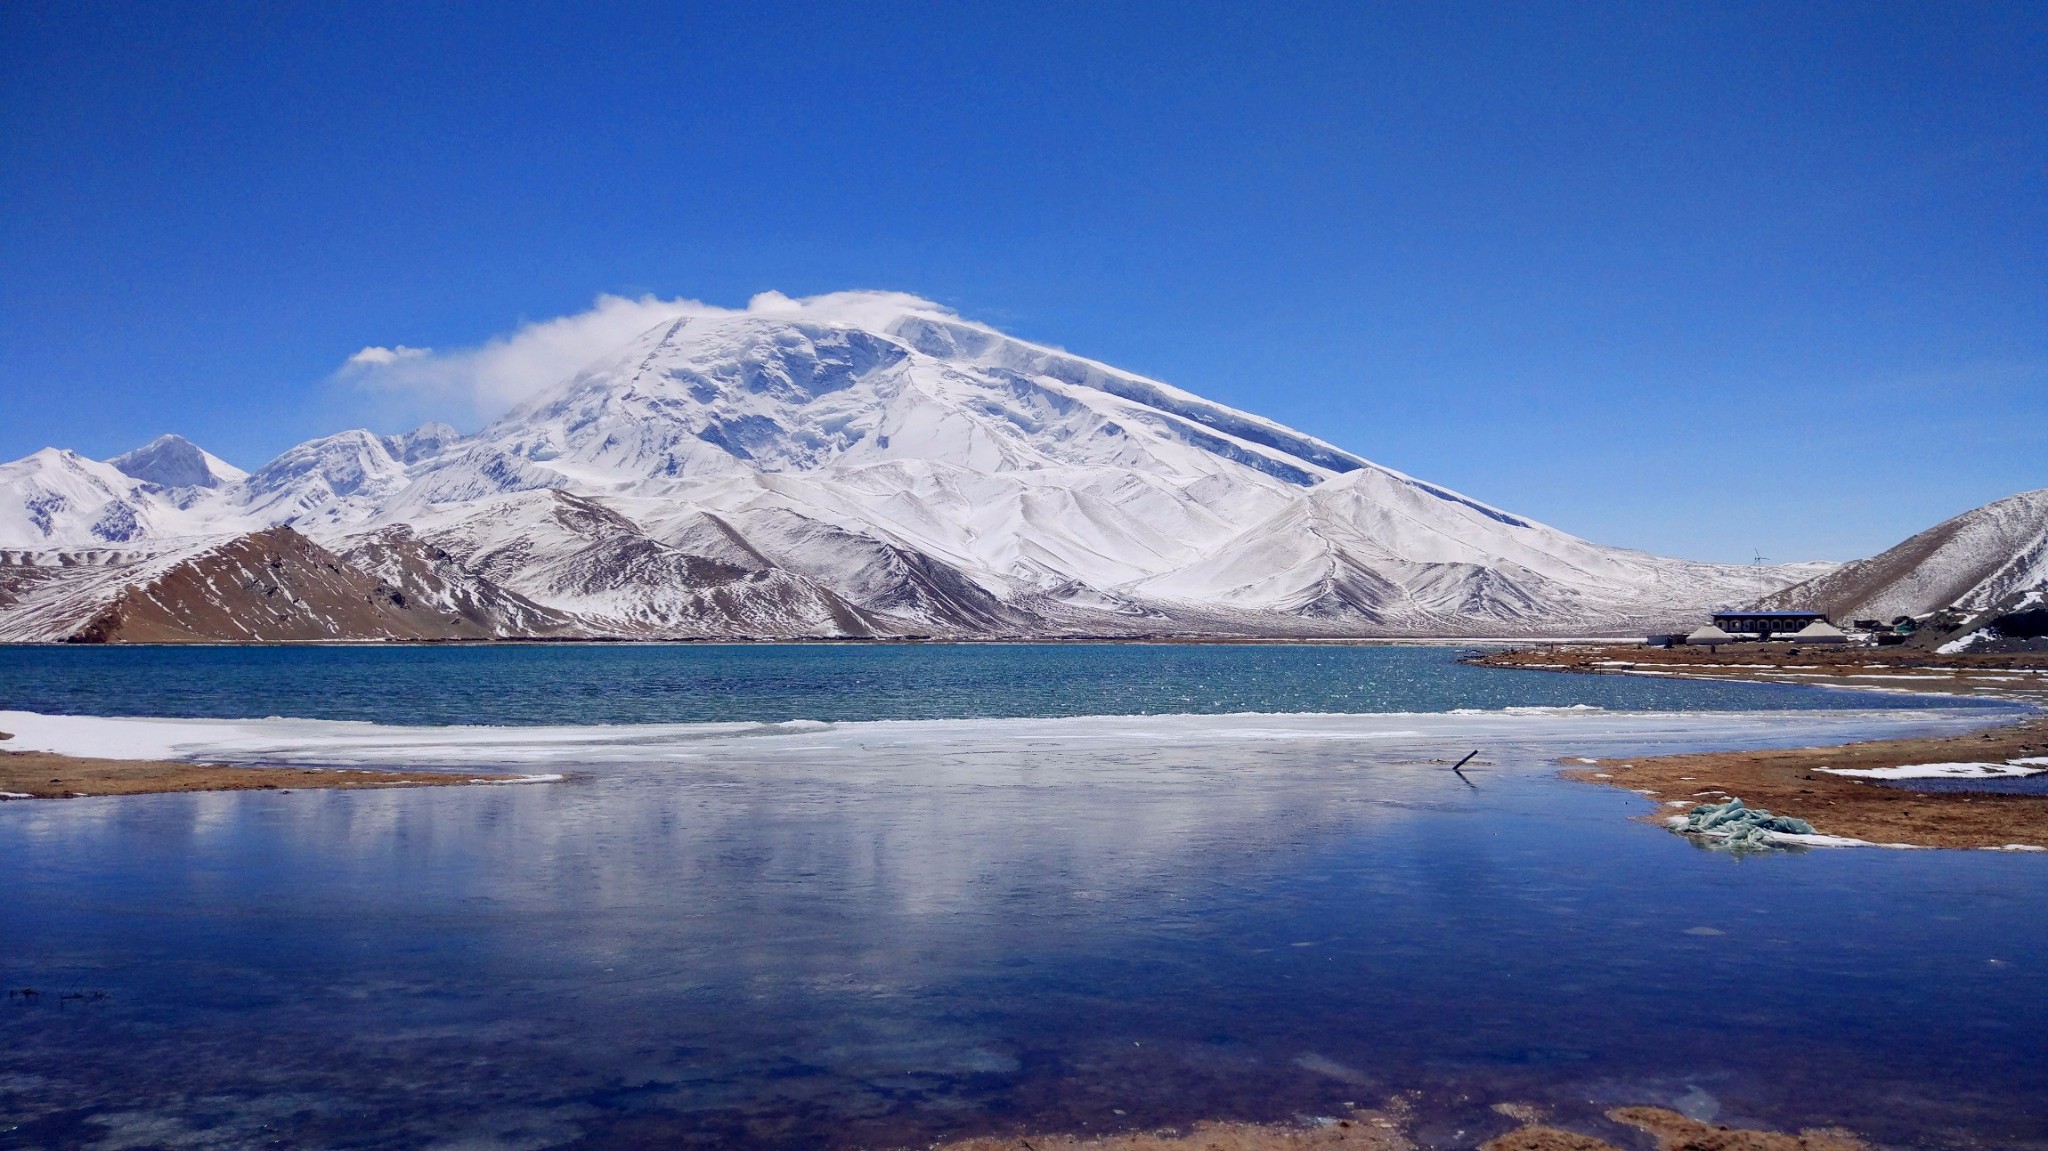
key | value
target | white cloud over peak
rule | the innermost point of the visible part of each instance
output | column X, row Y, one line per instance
column 375, row 357
column 510, row 368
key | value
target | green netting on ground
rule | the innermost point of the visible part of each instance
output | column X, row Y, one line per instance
column 1736, row 827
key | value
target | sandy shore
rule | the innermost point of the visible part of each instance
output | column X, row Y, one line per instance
column 1386, row 1130
column 1791, row 782
column 41, row 775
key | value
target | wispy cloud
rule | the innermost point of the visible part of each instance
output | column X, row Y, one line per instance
column 508, row 369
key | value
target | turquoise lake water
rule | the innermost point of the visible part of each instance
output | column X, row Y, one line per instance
column 870, row 932
column 703, row 683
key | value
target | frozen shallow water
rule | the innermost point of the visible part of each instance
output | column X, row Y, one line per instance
column 923, row 751
column 884, row 933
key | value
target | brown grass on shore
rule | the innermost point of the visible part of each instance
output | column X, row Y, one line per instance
column 1363, row 1131
column 1787, row 782
column 1385, row 1130
column 43, row 775
column 1675, row 1132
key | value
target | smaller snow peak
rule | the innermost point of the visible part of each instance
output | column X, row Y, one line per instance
column 1967, row 563
column 172, row 461
column 342, row 463
column 423, row 442
column 62, row 459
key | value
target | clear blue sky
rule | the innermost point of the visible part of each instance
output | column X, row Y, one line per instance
column 1696, row 278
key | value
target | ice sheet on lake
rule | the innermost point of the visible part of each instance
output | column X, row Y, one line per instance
column 348, row 743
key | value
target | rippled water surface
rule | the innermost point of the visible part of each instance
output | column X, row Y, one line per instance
column 885, row 933
column 696, row 683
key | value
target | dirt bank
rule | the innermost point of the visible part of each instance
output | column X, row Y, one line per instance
column 41, row 775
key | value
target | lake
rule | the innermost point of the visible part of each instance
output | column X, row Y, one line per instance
column 879, row 896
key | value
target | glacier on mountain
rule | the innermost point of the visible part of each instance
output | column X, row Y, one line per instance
column 861, row 464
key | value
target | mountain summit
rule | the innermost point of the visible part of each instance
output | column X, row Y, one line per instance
column 176, row 462
column 863, row 464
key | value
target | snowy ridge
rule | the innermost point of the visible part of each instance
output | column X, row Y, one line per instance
column 173, row 462
column 1976, row 562
column 46, row 596
column 871, row 464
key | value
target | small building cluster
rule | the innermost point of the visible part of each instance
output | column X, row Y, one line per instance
column 1804, row 627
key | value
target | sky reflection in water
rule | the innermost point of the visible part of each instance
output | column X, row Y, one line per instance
column 888, row 934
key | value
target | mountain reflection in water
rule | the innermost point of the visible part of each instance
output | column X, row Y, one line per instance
column 885, row 934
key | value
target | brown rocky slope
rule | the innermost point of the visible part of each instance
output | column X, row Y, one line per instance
column 268, row 586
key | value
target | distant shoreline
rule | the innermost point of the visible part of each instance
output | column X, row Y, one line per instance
column 849, row 641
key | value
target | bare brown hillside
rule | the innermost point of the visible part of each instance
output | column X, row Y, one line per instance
column 268, row 586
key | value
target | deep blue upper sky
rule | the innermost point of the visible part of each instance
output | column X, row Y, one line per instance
column 1762, row 277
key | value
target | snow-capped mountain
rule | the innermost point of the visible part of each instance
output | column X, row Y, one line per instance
column 174, row 462
column 60, row 499
column 860, row 464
